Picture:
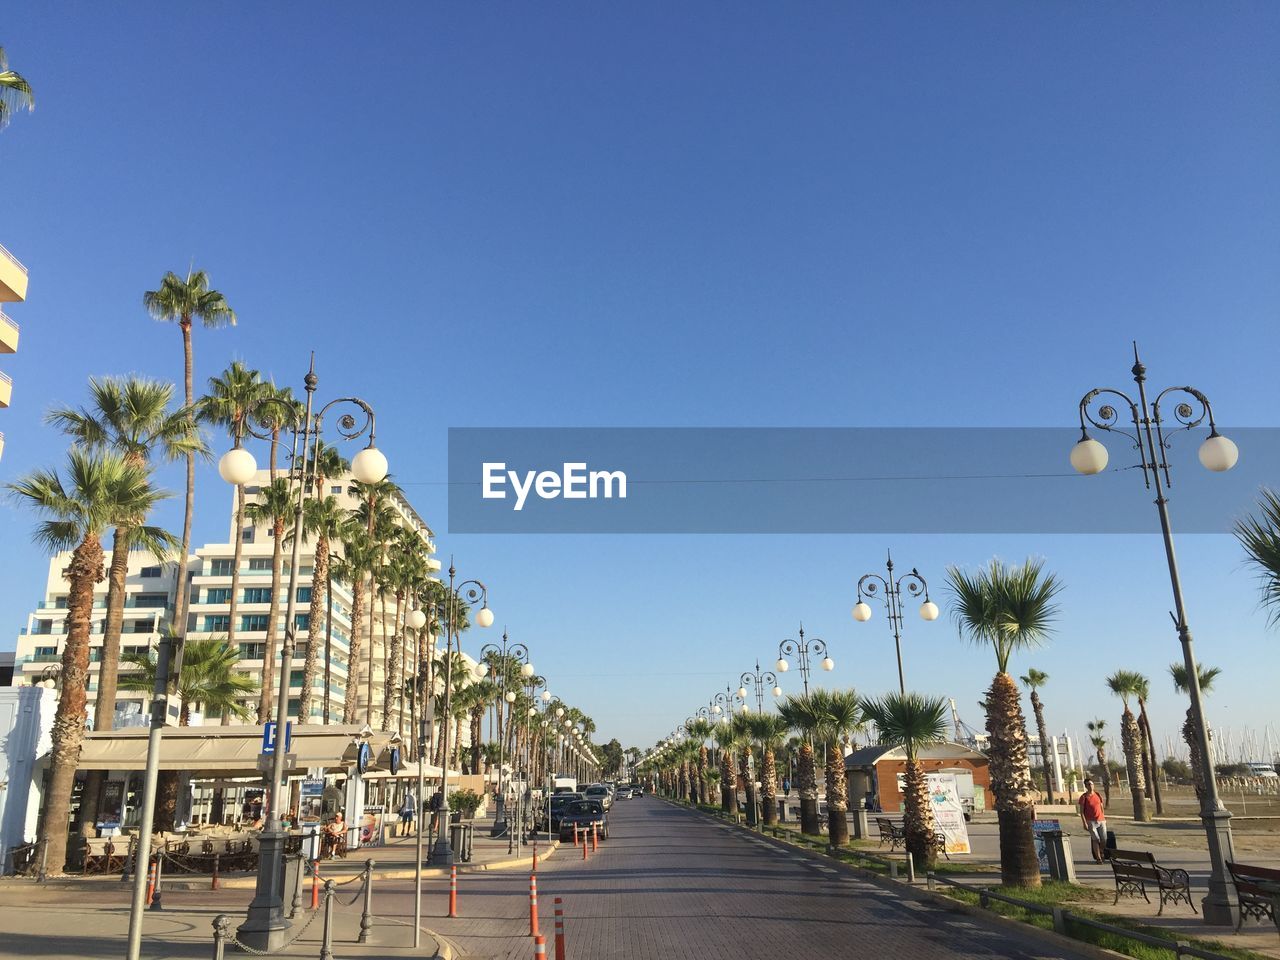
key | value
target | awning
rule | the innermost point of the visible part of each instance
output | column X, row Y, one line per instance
column 230, row 751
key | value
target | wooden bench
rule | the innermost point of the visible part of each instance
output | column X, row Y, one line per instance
column 1258, row 889
column 1134, row 869
column 895, row 834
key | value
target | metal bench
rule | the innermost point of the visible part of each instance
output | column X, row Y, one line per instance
column 891, row 833
column 1258, row 889
column 1134, row 869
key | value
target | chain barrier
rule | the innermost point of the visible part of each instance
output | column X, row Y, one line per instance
column 229, row 937
column 364, row 875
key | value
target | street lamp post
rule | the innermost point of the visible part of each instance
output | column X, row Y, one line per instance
column 1218, row 454
column 760, row 680
column 499, row 657
column 442, row 855
column 265, row 925
column 872, row 583
column 800, row 650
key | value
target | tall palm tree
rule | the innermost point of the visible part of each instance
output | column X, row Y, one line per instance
column 350, row 569
column 186, row 301
column 326, row 521
column 209, row 680
column 770, row 732
column 100, row 491
column 914, row 721
column 802, row 715
column 1150, row 765
column 1033, row 680
column 273, row 509
column 699, row 731
column 725, row 740
column 741, row 727
column 1206, row 676
column 1008, row 608
column 380, row 522
column 841, row 718
column 1260, row 538
column 130, row 416
column 232, row 396
column 1099, row 740
column 1124, row 684
column 15, row 92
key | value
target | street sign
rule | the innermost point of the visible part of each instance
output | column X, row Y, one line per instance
column 269, row 736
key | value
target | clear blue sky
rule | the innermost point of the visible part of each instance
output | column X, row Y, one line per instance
column 554, row 214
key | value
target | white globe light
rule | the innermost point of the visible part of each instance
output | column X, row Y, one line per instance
column 742, row 692
column 716, row 709
column 928, row 610
column 1089, row 457
column 546, row 696
column 783, row 666
column 526, row 670
column 1218, row 453
column 568, row 724
column 828, row 664
column 532, row 711
column 237, row 466
column 777, row 691
column 417, row 619
column 746, row 708
column 369, row 465
column 484, row 617
column 481, row 670
column 861, row 612
column 510, row 696
column 559, row 712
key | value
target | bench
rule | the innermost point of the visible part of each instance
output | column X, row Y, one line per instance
column 1258, row 889
column 1134, row 869
column 895, row 834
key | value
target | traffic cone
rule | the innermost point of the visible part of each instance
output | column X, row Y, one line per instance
column 453, row 891
column 533, row 905
column 559, row 930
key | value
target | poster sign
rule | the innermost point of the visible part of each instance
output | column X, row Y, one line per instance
column 1038, row 829
column 311, row 801
column 948, row 811
column 371, row 833
column 111, row 805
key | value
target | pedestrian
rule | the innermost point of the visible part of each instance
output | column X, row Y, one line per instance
column 408, row 807
column 437, row 801
column 1094, row 820
column 786, row 786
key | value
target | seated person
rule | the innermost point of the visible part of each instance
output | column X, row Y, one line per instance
column 334, row 841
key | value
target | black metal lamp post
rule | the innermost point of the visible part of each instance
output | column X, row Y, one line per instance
column 800, row 651
column 499, row 657
column 760, row 680
column 872, row 583
column 1218, row 454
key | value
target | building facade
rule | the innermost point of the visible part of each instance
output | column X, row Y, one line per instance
column 13, row 289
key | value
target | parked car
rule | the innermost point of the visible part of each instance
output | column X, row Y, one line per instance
column 559, row 802
column 582, row 814
column 600, row 792
column 624, row 792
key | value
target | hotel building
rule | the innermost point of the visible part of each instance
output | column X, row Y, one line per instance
column 13, row 289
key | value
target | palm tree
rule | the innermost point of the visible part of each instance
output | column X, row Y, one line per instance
column 1124, row 684
column 209, row 680
column 357, row 558
column 770, row 732
column 1150, row 765
column 1033, row 680
column 914, row 721
column 326, row 521
column 728, row 780
column 740, row 726
column 1008, row 608
column 699, row 731
column 380, row 523
column 232, row 396
column 272, row 509
column 15, row 92
column 101, row 490
column 801, row 714
column 1260, row 537
column 1206, row 676
column 841, row 718
column 187, row 301
column 1099, row 741
column 130, row 416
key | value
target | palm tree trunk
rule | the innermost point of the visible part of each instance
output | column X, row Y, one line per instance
column 1106, row 777
column 1045, row 745
column 180, row 596
column 237, row 553
column 351, row 696
column 769, row 786
column 83, row 572
column 1197, row 760
column 266, row 696
column 328, row 643
column 319, row 580
column 372, row 651
column 807, row 788
column 1153, row 767
column 388, row 666
column 728, row 789
column 1129, row 740
column 837, row 796
column 1011, row 785
column 917, row 816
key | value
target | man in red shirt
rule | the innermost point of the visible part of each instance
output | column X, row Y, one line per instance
column 1094, row 820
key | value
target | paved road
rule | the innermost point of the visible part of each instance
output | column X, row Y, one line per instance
column 670, row 884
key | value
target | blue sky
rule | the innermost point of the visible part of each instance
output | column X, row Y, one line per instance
column 841, row 214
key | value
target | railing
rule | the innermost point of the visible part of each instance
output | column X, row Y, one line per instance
column 12, row 259
column 5, row 378
column 7, row 321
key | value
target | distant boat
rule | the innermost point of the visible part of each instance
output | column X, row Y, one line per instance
column 1258, row 768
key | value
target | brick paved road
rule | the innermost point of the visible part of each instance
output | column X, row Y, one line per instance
column 670, row 884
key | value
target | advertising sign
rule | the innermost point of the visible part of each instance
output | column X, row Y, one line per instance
column 371, row 834
column 111, row 805
column 311, row 801
column 1039, row 828
column 948, row 811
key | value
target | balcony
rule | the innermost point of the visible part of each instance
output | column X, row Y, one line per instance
column 6, row 390
column 13, row 278
column 8, row 334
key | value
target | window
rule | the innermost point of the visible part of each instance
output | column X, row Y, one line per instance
column 149, row 572
column 302, row 621
column 42, row 627
column 217, row 624
column 46, row 652
column 221, row 568
column 304, row 594
column 249, row 490
column 151, row 600
column 253, row 621
column 257, row 595
column 246, row 535
column 251, row 651
column 217, row 595
column 336, row 488
column 60, row 603
column 295, row 678
column 259, row 563
column 141, row 626
column 95, row 654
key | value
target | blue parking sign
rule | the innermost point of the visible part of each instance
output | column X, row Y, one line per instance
column 269, row 736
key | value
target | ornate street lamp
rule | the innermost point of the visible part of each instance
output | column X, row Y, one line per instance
column 1218, row 454
column 872, row 584
column 499, row 658
column 800, row 650
column 760, row 680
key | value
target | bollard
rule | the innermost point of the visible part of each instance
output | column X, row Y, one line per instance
column 533, row 905
column 453, row 890
column 584, row 846
column 366, row 915
column 559, row 930
column 315, row 883
column 1059, row 921
column 893, row 869
column 595, row 839
column 911, row 867
column 220, row 924
column 151, row 882
column 326, row 941
column 156, row 903
column 214, row 880
column 539, row 946
column 575, row 834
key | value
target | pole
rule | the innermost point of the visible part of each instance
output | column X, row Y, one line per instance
column 142, row 856
column 443, row 855
column 417, row 844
